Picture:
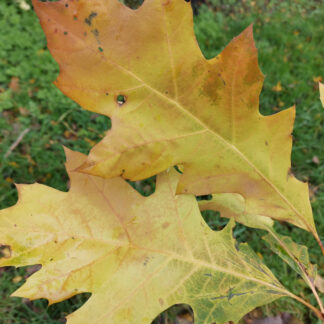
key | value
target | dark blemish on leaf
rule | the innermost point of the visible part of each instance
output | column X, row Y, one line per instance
column 165, row 225
column 273, row 292
column 146, row 261
column 95, row 32
column 66, row 5
column 166, row 92
column 72, row 237
column 55, row 242
column 231, row 295
column 85, row 33
column 121, row 99
column 100, row 49
column 75, row 17
column 161, row 301
column 55, row 30
column 220, row 297
column 51, row 259
column 15, row 225
column 207, row 275
column 88, row 20
column 107, row 94
column 65, row 33
column 266, row 143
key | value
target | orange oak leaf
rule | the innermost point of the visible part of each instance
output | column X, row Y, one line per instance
column 170, row 106
column 136, row 255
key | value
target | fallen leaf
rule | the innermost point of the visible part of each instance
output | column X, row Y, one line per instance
column 321, row 88
column 17, row 279
column 14, row 84
column 136, row 255
column 23, row 111
column 317, row 79
column 169, row 105
column 277, row 87
column 315, row 159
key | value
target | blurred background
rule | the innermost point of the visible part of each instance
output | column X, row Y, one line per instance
column 36, row 119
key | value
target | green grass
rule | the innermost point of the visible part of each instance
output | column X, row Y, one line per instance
column 289, row 36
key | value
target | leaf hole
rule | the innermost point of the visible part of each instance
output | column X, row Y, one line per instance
column 178, row 169
column 204, row 197
column 121, row 99
column 132, row 4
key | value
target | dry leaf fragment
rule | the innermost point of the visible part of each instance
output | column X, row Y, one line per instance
column 136, row 255
column 315, row 159
column 319, row 283
column 277, row 87
column 321, row 88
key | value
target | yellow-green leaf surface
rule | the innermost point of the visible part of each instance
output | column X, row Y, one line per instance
column 169, row 105
column 136, row 255
column 295, row 255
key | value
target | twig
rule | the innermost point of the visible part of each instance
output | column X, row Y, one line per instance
column 16, row 143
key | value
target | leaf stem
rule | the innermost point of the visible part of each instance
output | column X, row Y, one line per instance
column 301, row 267
column 318, row 313
column 320, row 244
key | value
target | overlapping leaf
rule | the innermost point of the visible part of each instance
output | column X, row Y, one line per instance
column 137, row 256
column 295, row 255
column 169, row 105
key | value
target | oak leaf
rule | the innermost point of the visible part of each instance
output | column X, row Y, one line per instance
column 170, row 106
column 136, row 255
column 295, row 255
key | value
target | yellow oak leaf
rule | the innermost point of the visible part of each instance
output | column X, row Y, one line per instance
column 169, row 105
column 136, row 255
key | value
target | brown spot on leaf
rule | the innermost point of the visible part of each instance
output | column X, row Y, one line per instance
column 89, row 19
column 165, row 225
